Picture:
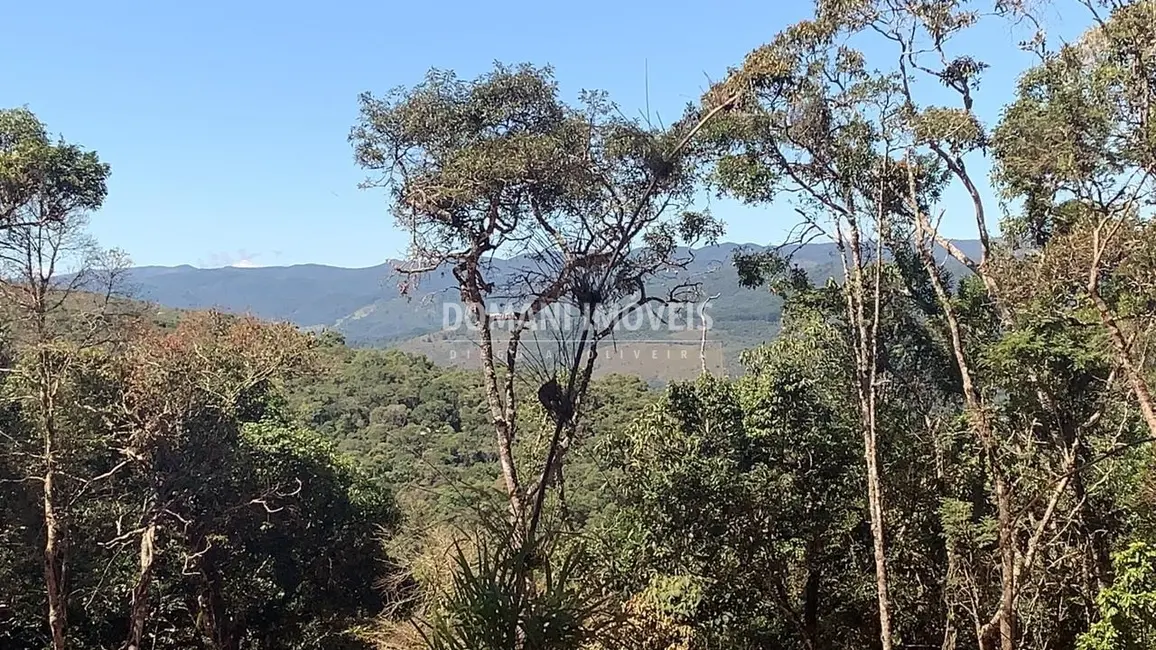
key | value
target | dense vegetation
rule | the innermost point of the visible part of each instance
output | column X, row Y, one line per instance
column 926, row 455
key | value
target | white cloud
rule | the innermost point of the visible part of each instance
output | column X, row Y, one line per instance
column 242, row 259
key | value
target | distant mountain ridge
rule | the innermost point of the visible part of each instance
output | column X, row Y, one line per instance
column 367, row 307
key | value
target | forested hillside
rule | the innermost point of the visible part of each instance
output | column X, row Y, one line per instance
column 924, row 444
column 367, row 308
column 425, row 430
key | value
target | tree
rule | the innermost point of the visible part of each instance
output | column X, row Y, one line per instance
column 501, row 166
column 696, row 531
column 814, row 123
column 44, row 182
column 46, row 191
column 1087, row 169
column 1128, row 607
column 197, row 514
column 183, row 393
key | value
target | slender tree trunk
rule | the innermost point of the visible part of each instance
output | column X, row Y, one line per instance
column 140, row 590
column 866, row 338
column 811, row 595
column 1007, row 550
column 875, row 499
column 1087, row 519
column 499, row 414
column 949, row 630
column 1004, row 619
column 54, row 553
column 1120, row 344
column 565, row 423
column 55, row 544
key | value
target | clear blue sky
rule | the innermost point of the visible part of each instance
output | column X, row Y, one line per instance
column 225, row 122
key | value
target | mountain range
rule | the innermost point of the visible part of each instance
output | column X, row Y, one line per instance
column 367, row 306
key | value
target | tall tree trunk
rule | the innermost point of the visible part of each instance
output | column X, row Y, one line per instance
column 140, row 590
column 1007, row 551
column 949, row 630
column 500, row 410
column 1004, row 619
column 54, row 554
column 55, row 544
column 866, row 338
column 1120, row 344
column 875, row 499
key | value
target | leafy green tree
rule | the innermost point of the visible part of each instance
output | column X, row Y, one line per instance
column 302, row 562
column 747, row 570
column 1076, row 147
column 197, row 515
column 814, row 123
column 43, row 181
column 47, row 189
column 587, row 204
column 584, row 200
column 1128, row 606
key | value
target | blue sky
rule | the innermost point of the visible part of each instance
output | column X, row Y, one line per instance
column 225, row 122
